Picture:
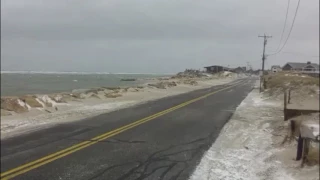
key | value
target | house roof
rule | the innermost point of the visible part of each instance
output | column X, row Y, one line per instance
column 239, row 68
column 212, row 66
column 296, row 65
column 217, row 66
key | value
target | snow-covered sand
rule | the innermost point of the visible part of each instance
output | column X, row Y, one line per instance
column 38, row 118
column 248, row 148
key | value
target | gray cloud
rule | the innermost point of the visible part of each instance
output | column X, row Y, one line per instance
column 150, row 35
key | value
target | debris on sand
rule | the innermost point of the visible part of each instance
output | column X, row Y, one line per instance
column 190, row 82
column 129, row 79
column 94, row 91
column 163, row 85
column 112, row 88
column 113, row 95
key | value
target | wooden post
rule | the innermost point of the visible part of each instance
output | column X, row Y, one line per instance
column 285, row 105
column 306, row 143
column 293, row 129
column 289, row 96
column 299, row 148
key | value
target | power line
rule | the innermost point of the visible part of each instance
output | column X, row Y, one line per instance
column 294, row 18
column 284, row 26
column 297, row 53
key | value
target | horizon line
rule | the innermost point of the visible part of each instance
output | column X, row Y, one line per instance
column 73, row 72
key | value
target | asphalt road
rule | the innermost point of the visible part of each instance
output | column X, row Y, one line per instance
column 168, row 145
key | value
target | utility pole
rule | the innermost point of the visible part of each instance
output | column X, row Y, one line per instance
column 265, row 40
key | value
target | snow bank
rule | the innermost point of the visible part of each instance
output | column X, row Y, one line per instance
column 19, row 124
column 243, row 149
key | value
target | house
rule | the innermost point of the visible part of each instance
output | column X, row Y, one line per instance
column 216, row 69
column 275, row 68
column 303, row 67
column 239, row 70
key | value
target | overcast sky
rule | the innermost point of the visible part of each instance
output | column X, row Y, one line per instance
column 152, row 36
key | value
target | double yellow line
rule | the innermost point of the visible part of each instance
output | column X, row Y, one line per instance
column 52, row 157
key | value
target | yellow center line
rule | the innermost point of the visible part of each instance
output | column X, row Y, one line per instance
column 49, row 158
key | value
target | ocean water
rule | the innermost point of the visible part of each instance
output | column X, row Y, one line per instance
column 44, row 83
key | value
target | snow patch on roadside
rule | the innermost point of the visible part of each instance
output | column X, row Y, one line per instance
column 24, row 123
column 243, row 149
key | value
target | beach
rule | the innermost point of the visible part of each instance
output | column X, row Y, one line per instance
column 27, row 113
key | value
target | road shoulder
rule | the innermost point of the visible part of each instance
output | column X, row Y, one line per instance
column 250, row 146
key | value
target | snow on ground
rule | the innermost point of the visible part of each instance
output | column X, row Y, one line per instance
column 23, row 123
column 245, row 147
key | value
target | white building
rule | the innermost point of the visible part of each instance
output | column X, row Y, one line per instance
column 276, row 68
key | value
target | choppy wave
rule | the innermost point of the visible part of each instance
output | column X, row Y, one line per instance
column 76, row 72
column 50, row 72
